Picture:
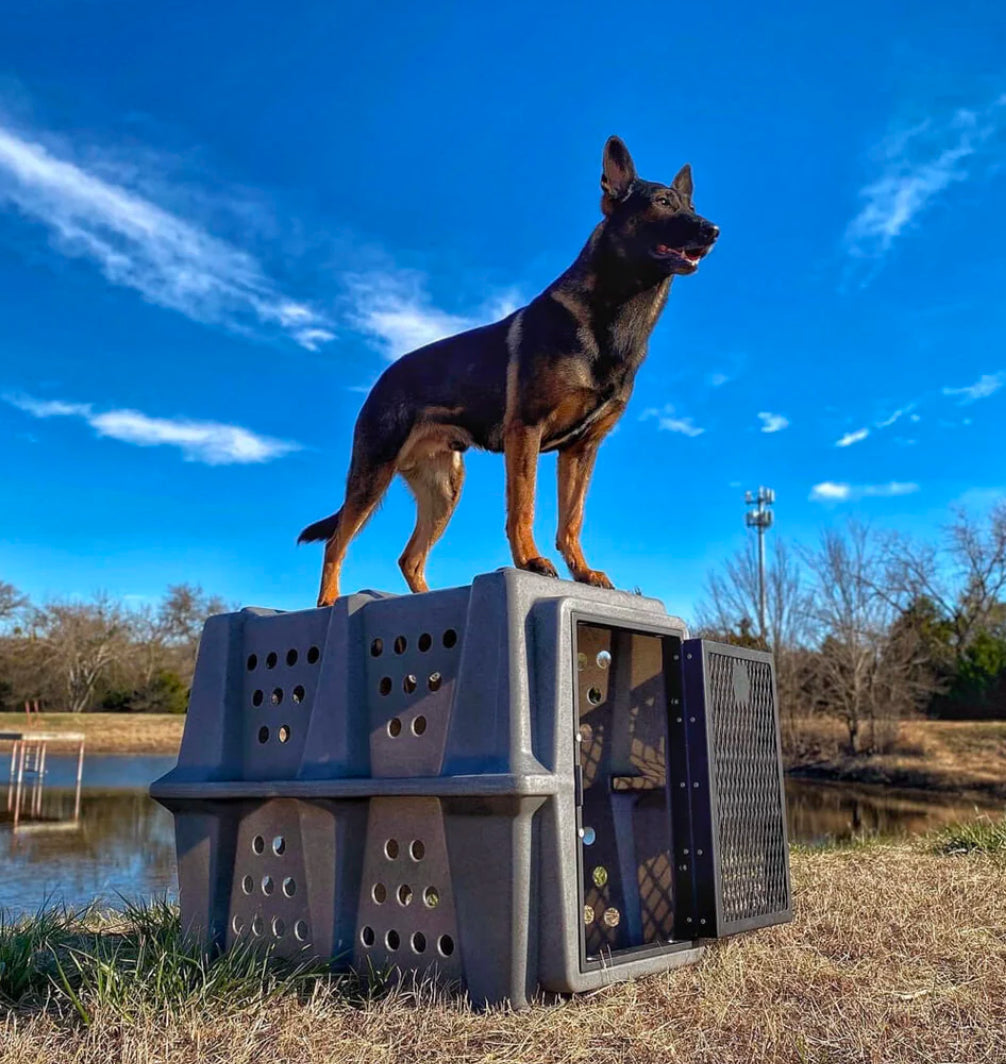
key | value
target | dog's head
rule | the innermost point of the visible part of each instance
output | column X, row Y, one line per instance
column 652, row 225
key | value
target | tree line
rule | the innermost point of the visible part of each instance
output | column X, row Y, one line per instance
column 73, row 656
column 870, row 626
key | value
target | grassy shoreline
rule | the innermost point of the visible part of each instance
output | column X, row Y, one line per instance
column 962, row 758
column 897, row 954
column 108, row 733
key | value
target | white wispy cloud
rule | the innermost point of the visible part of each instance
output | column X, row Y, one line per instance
column 773, row 422
column 717, row 380
column 667, row 420
column 986, row 385
column 852, row 437
column 830, row 491
column 917, row 165
column 888, row 421
column 209, row 442
column 169, row 260
column 684, row 425
column 395, row 311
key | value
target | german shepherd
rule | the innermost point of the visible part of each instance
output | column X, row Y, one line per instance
column 553, row 376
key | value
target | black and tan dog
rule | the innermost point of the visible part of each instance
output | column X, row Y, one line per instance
column 554, row 376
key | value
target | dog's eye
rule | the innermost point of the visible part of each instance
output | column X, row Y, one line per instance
column 663, row 201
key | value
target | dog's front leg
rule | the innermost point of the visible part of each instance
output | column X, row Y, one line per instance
column 575, row 466
column 521, row 445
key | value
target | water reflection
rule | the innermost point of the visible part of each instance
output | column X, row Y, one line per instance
column 818, row 812
column 122, row 846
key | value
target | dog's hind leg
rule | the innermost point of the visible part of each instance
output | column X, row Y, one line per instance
column 363, row 492
column 436, row 482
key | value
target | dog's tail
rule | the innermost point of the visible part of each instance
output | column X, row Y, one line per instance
column 322, row 529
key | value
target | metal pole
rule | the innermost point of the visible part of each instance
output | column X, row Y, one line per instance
column 761, row 579
column 760, row 519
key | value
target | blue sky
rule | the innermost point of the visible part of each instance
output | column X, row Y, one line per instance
column 219, row 222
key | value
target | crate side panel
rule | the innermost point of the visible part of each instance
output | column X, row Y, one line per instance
column 406, row 917
column 412, row 647
column 279, row 689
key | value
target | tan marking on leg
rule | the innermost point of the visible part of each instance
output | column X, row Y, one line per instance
column 436, row 484
column 520, row 447
column 362, row 496
column 575, row 467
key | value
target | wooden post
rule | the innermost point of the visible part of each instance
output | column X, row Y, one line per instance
column 80, row 776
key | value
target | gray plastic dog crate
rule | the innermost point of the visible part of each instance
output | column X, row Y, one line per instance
column 522, row 785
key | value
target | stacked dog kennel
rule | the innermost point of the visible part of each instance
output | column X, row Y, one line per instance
column 520, row 785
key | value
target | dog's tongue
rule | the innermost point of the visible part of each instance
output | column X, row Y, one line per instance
column 663, row 249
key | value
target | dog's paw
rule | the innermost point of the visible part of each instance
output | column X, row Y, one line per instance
column 542, row 566
column 595, row 578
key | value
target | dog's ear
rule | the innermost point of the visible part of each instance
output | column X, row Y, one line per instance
column 683, row 182
column 618, row 173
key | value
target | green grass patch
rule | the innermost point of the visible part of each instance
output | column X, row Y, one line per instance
column 137, row 963
column 983, row 835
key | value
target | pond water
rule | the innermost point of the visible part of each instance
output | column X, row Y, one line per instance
column 123, row 845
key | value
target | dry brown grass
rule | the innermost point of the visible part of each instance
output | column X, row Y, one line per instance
column 108, row 733
column 952, row 756
column 896, row 955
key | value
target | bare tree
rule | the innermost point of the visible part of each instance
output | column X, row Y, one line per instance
column 731, row 601
column 179, row 623
column 964, row 577
column 75, row 645
column 732, row 595
column 11, row 602
column 870, row 671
